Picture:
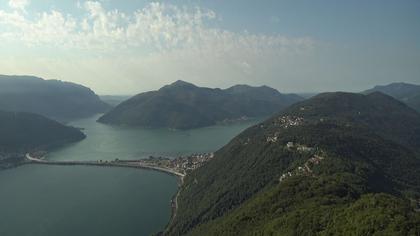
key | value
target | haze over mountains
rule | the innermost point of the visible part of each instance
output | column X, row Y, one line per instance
column 336, row 164
column 51, row 98
column 182, row 105
column 25, row 104
column 292, row 118
column 114, row 100
column 407, row 93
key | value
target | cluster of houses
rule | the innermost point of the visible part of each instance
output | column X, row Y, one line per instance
column 191, row 162
column 303, row 170
column 288, row 121
column 283, row 122
column 274, row 138
column 182, row 164
column 299, row 147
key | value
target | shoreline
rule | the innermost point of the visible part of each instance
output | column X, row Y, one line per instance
column 139, row 164
column 128, row 164
column 174, row 204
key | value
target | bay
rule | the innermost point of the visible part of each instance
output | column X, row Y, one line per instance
column 80, row 200
column 61, row 201
column 109, row 142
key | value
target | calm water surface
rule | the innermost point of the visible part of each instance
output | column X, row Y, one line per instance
column 78, row 200
column 110, row 142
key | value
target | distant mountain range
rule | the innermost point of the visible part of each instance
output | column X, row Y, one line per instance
column 51, row 98
column 114, row 100
column 335, row 164
column 407, row 93
column 182, row 105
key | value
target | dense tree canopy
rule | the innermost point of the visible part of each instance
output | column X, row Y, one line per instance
column 51, row 98
column 182, row 105
column 334, row 164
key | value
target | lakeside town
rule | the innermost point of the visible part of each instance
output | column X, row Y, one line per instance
column 182, row 164
column 179, row 166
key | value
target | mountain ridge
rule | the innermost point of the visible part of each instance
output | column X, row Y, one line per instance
column 296, row 172
column 22, row 132
column 182, row 105
column 405, row 92
column 54, row 99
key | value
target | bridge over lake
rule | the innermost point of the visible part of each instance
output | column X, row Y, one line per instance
column 116, row 163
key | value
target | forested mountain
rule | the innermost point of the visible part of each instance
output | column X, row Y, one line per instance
column 27, row 131
column 182, row 105
column 336, row 164
column 407, row 93
column 51, row 98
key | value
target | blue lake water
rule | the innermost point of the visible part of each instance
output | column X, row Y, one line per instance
column 80, row 200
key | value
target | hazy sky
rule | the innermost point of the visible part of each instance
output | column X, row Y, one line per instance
column 126, row 47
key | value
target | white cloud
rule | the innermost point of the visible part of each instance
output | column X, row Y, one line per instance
column 157, row 42
column 19, row 4
column 159, row 26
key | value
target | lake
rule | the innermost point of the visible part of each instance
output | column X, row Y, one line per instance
column 81, row 200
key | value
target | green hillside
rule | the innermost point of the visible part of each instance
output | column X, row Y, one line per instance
column 182, row 105
column 407, row 93
column 330, row 165
column 26, row 132
column 51, row 98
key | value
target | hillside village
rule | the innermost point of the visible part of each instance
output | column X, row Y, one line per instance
column 183, row 164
